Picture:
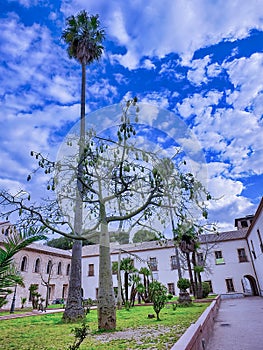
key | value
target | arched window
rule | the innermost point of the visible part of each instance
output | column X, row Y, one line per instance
column 37, row 266
column 24, row 264
column 68, row 270
column 49, row 267
column 59, row 269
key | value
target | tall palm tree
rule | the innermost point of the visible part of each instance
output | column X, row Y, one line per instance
column 84, row 38
column 13, row 243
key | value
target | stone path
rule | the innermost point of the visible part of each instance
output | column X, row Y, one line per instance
column 26, row 314
column 238, row 325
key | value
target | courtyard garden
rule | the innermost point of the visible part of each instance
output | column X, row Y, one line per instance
column 135, row 330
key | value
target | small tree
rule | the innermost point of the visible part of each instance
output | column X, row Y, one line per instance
column 46, row 282
column 23, row 301
column 80, row 334
column 144, row 289
column 35, row 295
column 128, row 267
column 183, row 284
column 158, row 296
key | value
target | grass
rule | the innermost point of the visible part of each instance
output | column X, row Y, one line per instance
column 47, row 332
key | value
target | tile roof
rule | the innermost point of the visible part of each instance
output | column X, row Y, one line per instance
column 93, row 250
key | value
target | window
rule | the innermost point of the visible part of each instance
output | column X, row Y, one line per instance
column 155, row 276
column 260, row 241
column 153, row 264
column 49, row 267
column 24, row 264
column 229, row 285
column 68, row 270
column 64, row 291
column 174, row 263
column 244, row 223
column 200, row 259
column 91, row 270
column 253, row 249
column 242, row 255
column 37, row 266
column 219, row 257
column 171, row 289
column 51, row 290
column 59, row 272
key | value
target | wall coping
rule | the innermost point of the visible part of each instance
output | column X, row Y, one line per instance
column 196, row 336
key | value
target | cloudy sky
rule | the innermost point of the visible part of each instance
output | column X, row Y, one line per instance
column 200, row 59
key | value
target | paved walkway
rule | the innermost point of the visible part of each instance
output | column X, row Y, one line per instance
column 238, row 325
column 32, row 313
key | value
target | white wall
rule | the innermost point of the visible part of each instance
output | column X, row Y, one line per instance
column 254, row 237
column 232, row 268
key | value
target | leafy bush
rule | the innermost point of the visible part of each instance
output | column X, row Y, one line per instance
column 206, row 289
column 183, row 284
column 169, row 296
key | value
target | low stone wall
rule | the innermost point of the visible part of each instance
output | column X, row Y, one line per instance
column 197, row 335
column 232, row 296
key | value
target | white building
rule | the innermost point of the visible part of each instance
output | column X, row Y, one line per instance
column 37, row 264
column 255, row 244
column 228, row 266
column 233, row 263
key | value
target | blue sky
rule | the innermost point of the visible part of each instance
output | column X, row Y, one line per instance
column 200, row 59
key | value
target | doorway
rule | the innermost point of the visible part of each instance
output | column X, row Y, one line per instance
column 249, row 286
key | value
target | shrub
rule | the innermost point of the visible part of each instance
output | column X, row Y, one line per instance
column 183, row 284
column 158, row 295
column 206, row 289
column 169, row 296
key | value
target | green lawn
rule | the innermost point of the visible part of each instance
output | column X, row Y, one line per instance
column 48, row 333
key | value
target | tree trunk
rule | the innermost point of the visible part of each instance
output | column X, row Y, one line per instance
column 106, row 298
column 119, row 297
column 74, row 309
column 190, row 272
column 126, row 284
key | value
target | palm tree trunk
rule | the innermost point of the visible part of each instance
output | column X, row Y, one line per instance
column 119, row 297
column 74, row 309
column 190, row 273
column 106, row 298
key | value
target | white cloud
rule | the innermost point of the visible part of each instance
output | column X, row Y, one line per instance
column 247, row 76
column 197, row 73
column 148, row 64
column 171, row 26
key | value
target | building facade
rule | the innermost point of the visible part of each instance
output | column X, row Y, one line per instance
column 233, row 263
column 46, row 267
column 225, row 256
column 255, row 244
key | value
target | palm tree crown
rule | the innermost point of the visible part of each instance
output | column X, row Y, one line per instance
column 84, row 37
